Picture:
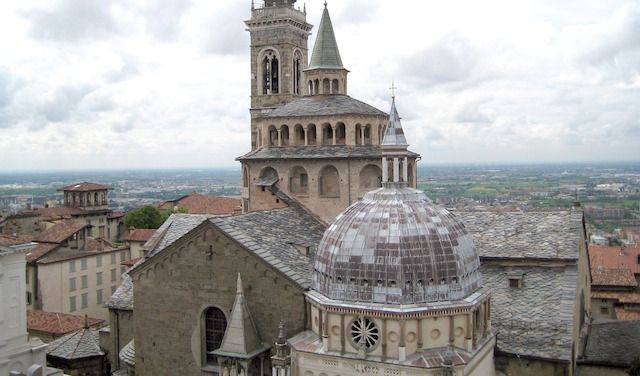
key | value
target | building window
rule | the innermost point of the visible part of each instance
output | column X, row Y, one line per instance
column 122, row 256
column 72, row 284
column 83, row 264
column 215, row 326
column 99, row 278
column 26, row 275
column 113, row 258
column 515, row 283
column 84, row 300
column 72, row 266
column 604, row 310
column 113, row 275
column 364, row 333
column 123, row 269
column 83, row 282
column 99, row 261
column 29, row 298
column 72, row 304
column 99, row 296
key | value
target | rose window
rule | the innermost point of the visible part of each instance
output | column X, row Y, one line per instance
column 364, row 333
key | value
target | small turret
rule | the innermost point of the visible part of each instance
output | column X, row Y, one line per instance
column 395, row 172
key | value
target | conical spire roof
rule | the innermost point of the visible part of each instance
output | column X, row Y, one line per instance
column 394, row 135
column 325, row 51
column 241, row 338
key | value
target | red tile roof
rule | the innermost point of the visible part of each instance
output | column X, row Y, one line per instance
column 131, row 262
column 98, row 244
column 627, row 315
column 57, row 323
column 40, row 250
column 196, row 203
column 14, row 240
column 60, row 232
column 139, row 235
column 620, row 296
column 612, row 277
column 85, row 187
column 615, row 257
column 57, row 212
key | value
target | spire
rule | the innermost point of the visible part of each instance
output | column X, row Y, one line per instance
column 325, row 51
column 241, row 338
column 394, row 135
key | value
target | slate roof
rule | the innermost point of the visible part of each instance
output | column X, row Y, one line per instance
column 57, row 323
column 537, row 319
column 122, row 298
column 317, row 152
column 128, row 354
column 323, row 105
column 176, row 226
column 60, row 232
column 272, row 236
column 83, row 343
column 601, row 349
column 85, row 187
column 535, row 235
column 325, row 50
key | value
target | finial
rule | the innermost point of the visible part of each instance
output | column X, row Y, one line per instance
column 393, row 89
column 304, row 8
column 281, row 337
column 239, row 289
column 325, row 3
column 252, row 5
column 86, row 321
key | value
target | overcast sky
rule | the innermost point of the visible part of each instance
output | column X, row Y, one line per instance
column 90, row 84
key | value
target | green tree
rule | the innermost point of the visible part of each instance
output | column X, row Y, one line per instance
column 144, row 217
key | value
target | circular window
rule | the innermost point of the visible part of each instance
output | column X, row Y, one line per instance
column 364, row 332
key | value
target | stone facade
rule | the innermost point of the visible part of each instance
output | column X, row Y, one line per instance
column 198, row 271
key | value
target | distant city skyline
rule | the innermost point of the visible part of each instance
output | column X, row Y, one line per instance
column 165, row 84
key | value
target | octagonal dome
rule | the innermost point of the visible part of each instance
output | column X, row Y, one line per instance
column 395, row 246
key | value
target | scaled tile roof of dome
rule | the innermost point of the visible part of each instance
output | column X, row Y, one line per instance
column 396, row 246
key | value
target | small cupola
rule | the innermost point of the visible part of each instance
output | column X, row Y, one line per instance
column 326, row 75
column 394, row 151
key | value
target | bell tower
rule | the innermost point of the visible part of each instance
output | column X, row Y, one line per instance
column 279, row 34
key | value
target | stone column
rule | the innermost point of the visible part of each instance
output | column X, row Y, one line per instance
column 396, row 170
column 342, row 335
column 385, row 170
column 279, row 137
column 402, row 348
column 405, row 171
column 452, row 334
column 333, row 132
column 306, row 135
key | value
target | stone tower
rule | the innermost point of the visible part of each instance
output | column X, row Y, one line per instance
column 279, row 34
column 309, row 139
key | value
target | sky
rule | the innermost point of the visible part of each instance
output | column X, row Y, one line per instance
column 94, row 84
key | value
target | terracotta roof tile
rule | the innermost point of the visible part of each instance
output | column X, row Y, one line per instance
column 57, row 323
column 624, row 297
column 60, row 232
column 612, row 277
column 196, row 203
column 131, row 262
column 627, row 315
column 139, row 235
column 84, row 187
column 40, row 250
column 14, row 240
column 615, row 257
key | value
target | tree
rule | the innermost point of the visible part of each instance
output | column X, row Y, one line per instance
column 145, row 217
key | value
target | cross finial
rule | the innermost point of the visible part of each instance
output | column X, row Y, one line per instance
column 325, row 3
column 393, row 89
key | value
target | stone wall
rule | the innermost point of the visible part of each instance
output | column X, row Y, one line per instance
column 198, row 271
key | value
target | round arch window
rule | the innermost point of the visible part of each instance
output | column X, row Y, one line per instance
column 364, row 333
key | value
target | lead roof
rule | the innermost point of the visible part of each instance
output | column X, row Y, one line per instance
column 325, row 51
column 324, row 105
column 317, row 152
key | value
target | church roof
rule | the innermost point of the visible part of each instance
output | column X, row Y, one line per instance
column 325, row 51
column 176, row 226
column 323, row 105
column 536, row 235
column 128, row 354
column 317, row 152
column 394, row 135
column 241, row 338
column 122, row 298
column 601, row 349
column 276, row 236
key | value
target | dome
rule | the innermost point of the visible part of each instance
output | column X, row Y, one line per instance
column 395, row 246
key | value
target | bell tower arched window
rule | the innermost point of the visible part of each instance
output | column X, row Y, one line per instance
column 297, row 72
column 270, row 77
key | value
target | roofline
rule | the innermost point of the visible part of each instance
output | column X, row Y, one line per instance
column 528, row 356
column 83, row 253
column 529, row 259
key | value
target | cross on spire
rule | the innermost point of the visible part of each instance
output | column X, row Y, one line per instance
column 393, row 89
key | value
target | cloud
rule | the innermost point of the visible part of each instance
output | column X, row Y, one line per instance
column 63, row 101
column 72, row 21
column 163, row 17
column 123, row 125
column 449, row 60
column 220, row 30
column 9, row 86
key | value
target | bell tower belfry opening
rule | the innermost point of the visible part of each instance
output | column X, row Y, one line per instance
column 279, row 33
